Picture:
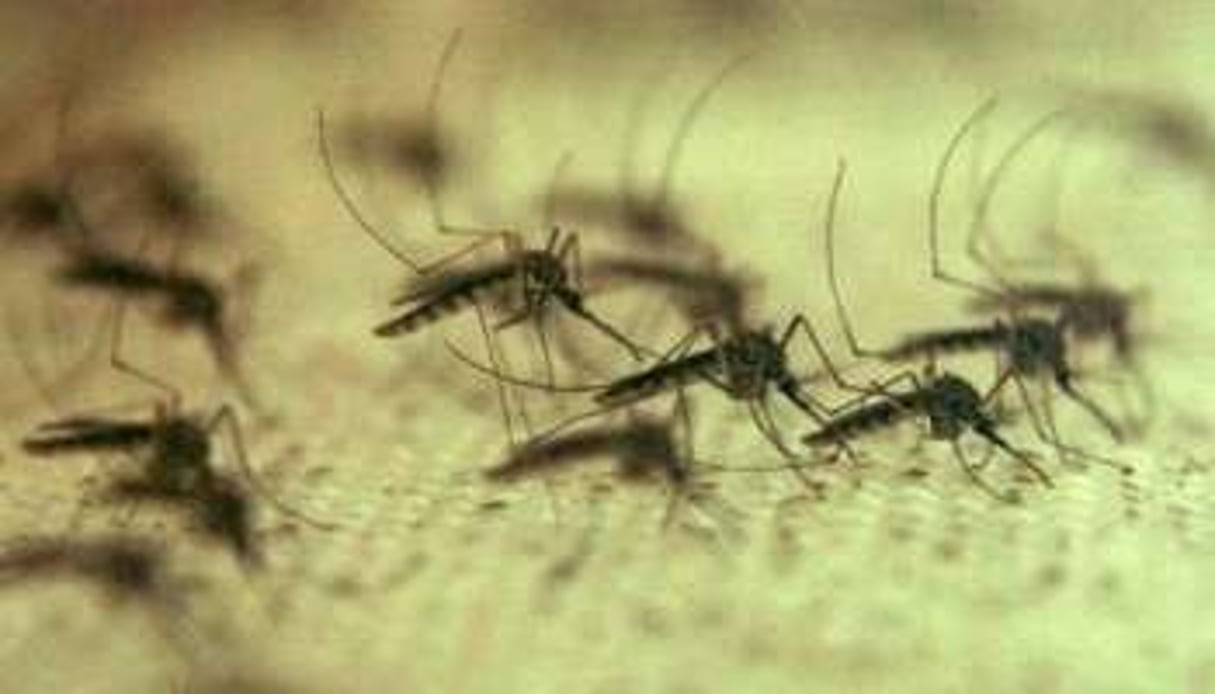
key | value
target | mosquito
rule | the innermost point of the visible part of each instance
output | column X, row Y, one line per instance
column 175, row 449
column 1029, row 347
column 126, row 569
column 541, row 277
column 949, row 403
column 746, row 366
column 187, row 301
column 1090, row 310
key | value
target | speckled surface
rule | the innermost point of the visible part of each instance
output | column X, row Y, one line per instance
column 886, row 580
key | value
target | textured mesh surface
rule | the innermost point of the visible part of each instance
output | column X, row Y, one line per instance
column 897, row 576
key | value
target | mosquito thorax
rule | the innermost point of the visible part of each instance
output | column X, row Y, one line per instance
column 952, row 404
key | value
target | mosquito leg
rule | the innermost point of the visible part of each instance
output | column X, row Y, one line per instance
column 225, row 417
column 120, row 364
column 938, row 270
column 541, row 334
column 978, row 479
column 504, row 400
column 1092, row 409
column 832, row 277
column 1078, row 452
column 979, row 227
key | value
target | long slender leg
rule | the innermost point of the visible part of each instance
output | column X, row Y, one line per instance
column 683, row 129
column 504, row 400
column 802, row 324
column 225, row 417
column 346, row 199
column 979, row 226
column 976, row 477
column 119, row 363
column 938, row 270
column 685, row 454
column 1049, row 416
column 1047, row 432
column 833, row 278
column 1090, row 407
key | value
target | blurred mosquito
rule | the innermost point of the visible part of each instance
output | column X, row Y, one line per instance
column 703, row 295
column 186, row 301
column 1090, row 310
column 641, row 446
column 175, row 449
column 419, row 149
column 126, row 569
column 34, row 210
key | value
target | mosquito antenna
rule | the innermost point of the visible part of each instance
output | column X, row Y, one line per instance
column 347, row 200
column 437, row 215
column 518, row 380
column 987, row 193
column 683, row 129
column 833, row 278
column 65, row 182
column 439, row 79
column 628, row 155
column 934, row 200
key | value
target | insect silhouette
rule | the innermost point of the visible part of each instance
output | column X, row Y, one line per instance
column 651, row 217
column 641, row 446
column 1169, row 126
column 703, row 295
column 175, row 449
column 1088, row 311
column 949, row 404
column 745, row 366
column 186, row 301
column 219, row 505
column 1033, row 347
column 539, row 277
column 126, row 569
column 1029, row 348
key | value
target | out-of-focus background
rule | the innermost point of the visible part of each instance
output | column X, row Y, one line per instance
column 900, row 576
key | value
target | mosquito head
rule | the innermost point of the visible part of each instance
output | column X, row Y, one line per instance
column 753, row 360
column 183, row 452
column 1035, row 346
column 544, row 275
column 953, row 405
column 195, row 301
